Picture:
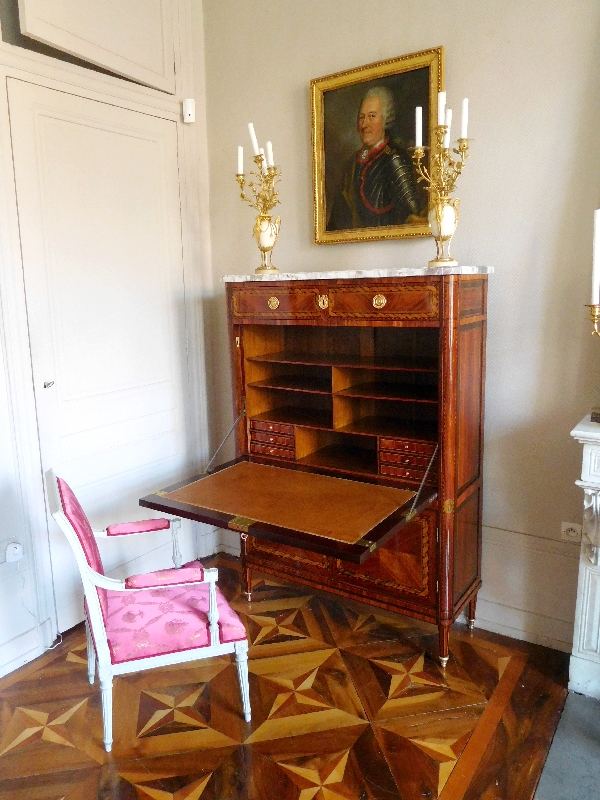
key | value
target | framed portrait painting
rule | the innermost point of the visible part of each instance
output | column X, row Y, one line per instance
column 363, row 129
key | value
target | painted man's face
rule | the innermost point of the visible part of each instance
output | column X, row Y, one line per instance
column 370, row 121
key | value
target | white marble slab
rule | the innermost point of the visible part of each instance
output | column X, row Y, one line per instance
column 360, row 274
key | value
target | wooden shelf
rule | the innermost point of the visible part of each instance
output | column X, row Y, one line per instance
column 397, row 428
column 296, row 383
column 343, row 458
column 289, row 415
column 392, row 391
column 363, row 362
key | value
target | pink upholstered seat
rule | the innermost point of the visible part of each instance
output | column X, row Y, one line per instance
column 152, row 622
column 166, row 617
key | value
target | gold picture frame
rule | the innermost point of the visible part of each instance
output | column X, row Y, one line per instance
column 353, row 202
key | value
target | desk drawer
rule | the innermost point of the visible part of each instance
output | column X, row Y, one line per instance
column 276, row 427
column 276, row 303
column 419, row 301
column 410, row 474
column 404, row 459
column 272, row 451
column 292, row 557
column 272, row 438
column 407, row 446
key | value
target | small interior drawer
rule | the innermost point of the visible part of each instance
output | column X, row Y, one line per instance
column 272, row 450
column 407, row 446
column 272, row 438
column 412, row 474
column 403, row 459
column 276, row 427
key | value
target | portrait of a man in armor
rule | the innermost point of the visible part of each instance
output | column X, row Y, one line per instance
column 378, row 185
column 364, row 180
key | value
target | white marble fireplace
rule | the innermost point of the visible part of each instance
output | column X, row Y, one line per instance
column 584, row 672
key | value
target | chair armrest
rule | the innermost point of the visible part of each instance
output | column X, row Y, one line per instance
column 128, row 528
column 193, row 572
column 103, row 581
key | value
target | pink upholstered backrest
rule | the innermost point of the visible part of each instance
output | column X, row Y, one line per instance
column 76, row 516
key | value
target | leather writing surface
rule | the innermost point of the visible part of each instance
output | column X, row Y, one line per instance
column 335, row 508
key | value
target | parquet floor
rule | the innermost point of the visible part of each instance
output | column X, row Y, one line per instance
column 347, row 705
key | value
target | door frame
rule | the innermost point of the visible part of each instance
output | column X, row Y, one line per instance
column 44, row 71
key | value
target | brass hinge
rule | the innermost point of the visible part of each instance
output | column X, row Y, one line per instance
column 237, row 341
column 240, row 524
column 448, row 506
column 367, row 543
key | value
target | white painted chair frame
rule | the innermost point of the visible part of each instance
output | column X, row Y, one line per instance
column 97, row 644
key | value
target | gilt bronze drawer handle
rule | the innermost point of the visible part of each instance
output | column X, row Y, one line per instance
column 323, row 301
column 379, row 301
column 273, row 303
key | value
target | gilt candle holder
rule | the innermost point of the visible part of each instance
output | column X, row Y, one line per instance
column 595, row 318
column 263, row 199
column 440, row 181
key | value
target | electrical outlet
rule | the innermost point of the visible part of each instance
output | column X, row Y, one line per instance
column 570, row 532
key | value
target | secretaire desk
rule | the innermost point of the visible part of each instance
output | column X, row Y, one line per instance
column 361, row 391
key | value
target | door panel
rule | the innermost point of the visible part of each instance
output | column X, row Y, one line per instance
column 99, row 214
column 133, row 38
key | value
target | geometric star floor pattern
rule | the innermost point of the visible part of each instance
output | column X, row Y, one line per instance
column 347, row 704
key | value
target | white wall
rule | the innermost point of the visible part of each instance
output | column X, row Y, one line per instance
column 531, row 71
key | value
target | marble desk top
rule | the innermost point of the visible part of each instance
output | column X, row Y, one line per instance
column 405, row 272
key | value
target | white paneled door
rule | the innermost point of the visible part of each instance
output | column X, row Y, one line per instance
column 133, row 38
column 100, row 223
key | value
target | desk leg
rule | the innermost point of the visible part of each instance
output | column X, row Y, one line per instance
column 444, row 640
column 471, row 612
column 246, row 571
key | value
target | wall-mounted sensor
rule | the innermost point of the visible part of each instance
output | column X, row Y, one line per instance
column 189, row 110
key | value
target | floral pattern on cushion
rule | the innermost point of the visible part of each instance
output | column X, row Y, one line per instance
column 152, row 622
column 191, row 573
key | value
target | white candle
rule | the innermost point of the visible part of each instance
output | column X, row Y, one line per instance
column 441, row 107
column 263, row 163
column 253, row 138
column 596, row 260
column 464, row 118
column 270, row 161
column 418, row 126
column 240, row 160
column 448, row 126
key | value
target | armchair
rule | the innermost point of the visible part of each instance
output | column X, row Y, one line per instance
column 161, row 618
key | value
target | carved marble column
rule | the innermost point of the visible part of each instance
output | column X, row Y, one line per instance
column 584, row 670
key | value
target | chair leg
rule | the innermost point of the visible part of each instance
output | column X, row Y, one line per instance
column 91, row 653
column 241, row 660
column 106, row 686
column 177, row 558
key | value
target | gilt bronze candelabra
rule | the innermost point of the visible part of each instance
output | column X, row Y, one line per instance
column 440, row 181
column 263, row 199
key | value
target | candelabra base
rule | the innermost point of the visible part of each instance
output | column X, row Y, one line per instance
column 265, row 270
column 443, row 262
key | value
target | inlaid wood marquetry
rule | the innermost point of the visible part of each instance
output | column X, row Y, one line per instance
column 348, row 702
